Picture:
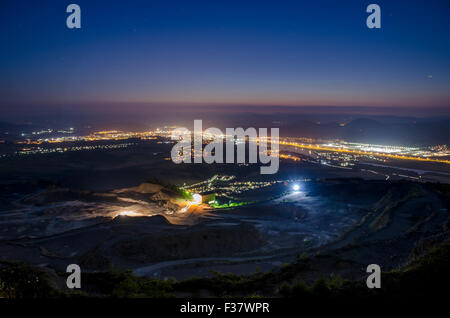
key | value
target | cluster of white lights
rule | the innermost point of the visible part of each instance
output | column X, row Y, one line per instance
column 196, row 199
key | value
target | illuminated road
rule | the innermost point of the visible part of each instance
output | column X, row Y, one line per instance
column 147, row 135
column 147, row 270
column 357, row 152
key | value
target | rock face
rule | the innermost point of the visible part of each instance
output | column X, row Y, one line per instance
column 405, row 222
column 144, row 188
column 359, row 223
column 391, row 201
column 60, row 195
column 155, row 193
column 161, row 196
column 199, row 241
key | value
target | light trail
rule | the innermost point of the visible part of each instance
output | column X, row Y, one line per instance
column 153, row 134
column 363, row 153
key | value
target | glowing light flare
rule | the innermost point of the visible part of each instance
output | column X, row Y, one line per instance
column 128, row 213
column 196, row 199
column 296, row 187
column 183, row 210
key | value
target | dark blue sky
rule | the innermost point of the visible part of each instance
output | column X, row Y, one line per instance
column 229, row 52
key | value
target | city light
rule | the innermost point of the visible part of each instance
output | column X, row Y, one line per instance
column 333, row 150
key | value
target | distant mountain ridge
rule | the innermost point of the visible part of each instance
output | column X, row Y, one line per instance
column 387, row 130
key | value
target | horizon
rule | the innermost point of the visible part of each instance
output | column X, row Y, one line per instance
column 19, row 114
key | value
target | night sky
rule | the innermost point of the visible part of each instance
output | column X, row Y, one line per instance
column 228, row 52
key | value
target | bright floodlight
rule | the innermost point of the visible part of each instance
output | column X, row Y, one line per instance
column 296, row 187
column 196, row 199
column 129, row 213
